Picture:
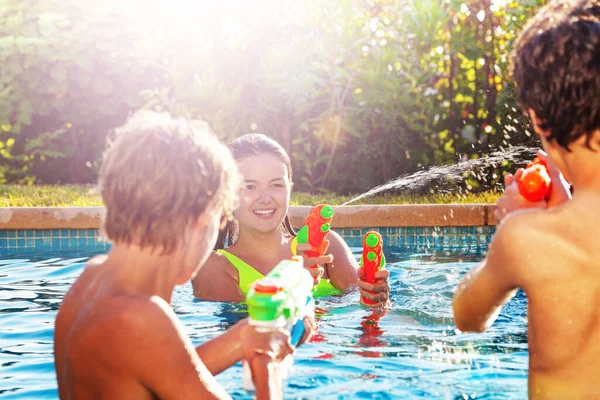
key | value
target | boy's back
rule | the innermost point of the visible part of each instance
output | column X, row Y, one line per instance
column 555, row 258
column 91, row 341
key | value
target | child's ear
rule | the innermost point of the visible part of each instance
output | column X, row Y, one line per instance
column 291, row 185
column 537, row 122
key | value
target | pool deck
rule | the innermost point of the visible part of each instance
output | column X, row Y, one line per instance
column 438, row 215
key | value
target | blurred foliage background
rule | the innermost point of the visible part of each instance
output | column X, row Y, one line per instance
column 358, row 91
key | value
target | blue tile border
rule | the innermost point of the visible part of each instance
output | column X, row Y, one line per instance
column 424, row 240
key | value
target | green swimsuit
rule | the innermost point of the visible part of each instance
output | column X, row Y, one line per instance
column 249, row 275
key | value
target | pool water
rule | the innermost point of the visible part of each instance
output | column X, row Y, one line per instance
column 412, row 352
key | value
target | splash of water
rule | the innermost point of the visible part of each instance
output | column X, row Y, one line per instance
column 417, row 179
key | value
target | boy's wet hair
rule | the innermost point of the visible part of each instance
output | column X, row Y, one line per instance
column 159, row 175
column 556, row 64
column 250, row 145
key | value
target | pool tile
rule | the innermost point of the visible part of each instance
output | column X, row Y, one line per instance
column 12, row 234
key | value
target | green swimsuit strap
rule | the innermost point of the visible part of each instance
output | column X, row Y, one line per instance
column 248, row 275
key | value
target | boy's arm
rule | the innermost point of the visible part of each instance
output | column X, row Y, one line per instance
column 222, row 352
column 491, row 284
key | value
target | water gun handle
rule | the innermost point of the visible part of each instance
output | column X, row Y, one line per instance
column 318, row 224
column 298, row 329
column 372, row 259
column 535, row 183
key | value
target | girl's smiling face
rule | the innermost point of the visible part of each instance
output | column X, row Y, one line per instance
column 265, row 192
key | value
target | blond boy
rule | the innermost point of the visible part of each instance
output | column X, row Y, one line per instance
column 166, row 184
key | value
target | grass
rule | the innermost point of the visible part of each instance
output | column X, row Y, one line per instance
column 87, row 195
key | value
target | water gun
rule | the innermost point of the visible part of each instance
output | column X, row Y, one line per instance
column 535, row 182
column 372, row 258
column 318, row 224
column 280, row 300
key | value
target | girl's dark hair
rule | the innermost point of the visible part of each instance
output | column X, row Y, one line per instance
column 247, row 146
column 556, row 65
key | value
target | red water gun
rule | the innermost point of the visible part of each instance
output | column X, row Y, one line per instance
column 535, row 183
column 372, row 259
column 318, row 224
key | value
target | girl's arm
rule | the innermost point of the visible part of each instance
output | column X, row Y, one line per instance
column 343, row 271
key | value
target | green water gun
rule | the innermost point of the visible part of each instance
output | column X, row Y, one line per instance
column 280, row 300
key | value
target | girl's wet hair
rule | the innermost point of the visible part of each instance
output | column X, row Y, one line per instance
column 251, row 145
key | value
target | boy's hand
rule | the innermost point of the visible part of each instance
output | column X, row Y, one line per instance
column 379, row 291
column 560, row 191
column 512, row 200
column 316, row 272
column 275, row 345
column 260, row 350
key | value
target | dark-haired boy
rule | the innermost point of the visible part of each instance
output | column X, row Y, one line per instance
column 552, row 251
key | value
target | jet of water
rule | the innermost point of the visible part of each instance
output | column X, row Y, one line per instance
column 455, row 171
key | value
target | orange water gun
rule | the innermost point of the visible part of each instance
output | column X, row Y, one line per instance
column 535, row 183
column 318, row 224
column 372, row 259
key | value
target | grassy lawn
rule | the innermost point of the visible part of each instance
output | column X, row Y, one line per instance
column 81, row 195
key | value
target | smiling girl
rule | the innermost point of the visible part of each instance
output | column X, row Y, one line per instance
column 260, row 236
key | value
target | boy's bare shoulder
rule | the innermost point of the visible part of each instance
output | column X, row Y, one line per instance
column 535, row 243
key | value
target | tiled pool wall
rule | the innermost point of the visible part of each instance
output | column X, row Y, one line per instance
column 429, row 229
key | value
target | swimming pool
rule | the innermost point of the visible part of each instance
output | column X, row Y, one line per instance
column 412, row 352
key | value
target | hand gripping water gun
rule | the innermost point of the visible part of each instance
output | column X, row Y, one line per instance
column 535, row 182
column 280, row 300
column 372, row 259
column 318, row 224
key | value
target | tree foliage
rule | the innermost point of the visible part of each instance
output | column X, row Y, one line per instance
column 358, row 91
